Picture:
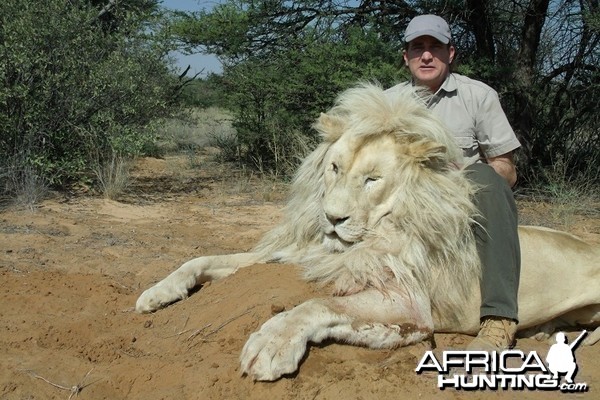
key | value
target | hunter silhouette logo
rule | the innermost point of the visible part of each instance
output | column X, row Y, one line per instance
column 509, row 369
column 561, row 357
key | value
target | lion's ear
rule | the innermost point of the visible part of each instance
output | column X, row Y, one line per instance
column 428, row 152
column 331, row 127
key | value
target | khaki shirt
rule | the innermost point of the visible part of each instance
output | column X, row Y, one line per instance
column 472, row 111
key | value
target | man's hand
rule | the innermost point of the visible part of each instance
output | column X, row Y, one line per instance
column 505, row 167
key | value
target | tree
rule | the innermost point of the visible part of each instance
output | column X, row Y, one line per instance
column 541, row 55
column 280, row 73
column 278, row 97
column 81, row 81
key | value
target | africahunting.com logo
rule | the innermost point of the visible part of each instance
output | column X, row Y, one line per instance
column 510, row 369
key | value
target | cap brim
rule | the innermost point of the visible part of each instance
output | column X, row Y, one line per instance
column 435, row 34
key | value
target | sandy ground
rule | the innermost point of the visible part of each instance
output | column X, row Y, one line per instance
column 71, row 270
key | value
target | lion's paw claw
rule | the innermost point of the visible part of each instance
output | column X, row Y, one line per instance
column 272, row 352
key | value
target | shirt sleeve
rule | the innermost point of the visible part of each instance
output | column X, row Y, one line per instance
column 492, row 129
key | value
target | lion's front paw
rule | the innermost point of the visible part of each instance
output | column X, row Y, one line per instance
column 273, row 351
column 156, row 297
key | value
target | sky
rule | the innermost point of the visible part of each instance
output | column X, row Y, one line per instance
column 197, row 61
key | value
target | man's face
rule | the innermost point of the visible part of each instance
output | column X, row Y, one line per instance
column 429, row 61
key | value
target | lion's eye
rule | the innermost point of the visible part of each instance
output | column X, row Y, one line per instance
column 369, row 180
column 334, row 168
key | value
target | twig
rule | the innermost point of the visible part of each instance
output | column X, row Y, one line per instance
column 186, row 321
column 129, row 354
column 178, row 333
column 75, row 389
column 33, row 374
column 115, row 283
column 230, row 320
column 198, row 331
column 217, row 329
column 181, row 332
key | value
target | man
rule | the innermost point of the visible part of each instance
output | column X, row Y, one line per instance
column 472, row 112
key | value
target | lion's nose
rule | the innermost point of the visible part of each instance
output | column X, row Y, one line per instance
column 335, row 220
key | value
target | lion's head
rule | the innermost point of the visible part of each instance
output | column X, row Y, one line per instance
column 382, row 200
column 380, row 144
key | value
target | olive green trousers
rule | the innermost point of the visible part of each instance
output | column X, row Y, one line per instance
column 497, row 242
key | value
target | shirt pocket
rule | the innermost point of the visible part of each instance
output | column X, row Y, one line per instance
column 466, row 141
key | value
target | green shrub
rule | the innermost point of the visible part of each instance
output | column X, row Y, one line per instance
column 204, row 92
column 78, row 85
column 276, row 98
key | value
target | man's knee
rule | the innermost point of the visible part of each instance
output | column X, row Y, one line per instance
column 493, row 190
column 484, row 175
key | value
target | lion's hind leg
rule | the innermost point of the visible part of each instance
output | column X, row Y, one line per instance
column 539, row 332
column 592, row 338
column 177, row 285
column 588, row 317
column 584, row 317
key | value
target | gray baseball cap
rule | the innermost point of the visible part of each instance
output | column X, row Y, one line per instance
column 428, row 25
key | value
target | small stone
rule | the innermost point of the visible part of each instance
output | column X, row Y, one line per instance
column 277, row 308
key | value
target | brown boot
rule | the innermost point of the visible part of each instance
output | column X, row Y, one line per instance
column 495, row 333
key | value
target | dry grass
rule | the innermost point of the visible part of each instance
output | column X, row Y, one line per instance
column 197, row 145
column 567, row 198
column 261, row 187
column 113, row 176
column 196, row 130
column 23, row 186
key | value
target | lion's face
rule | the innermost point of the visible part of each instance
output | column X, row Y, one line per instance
column 359, row 186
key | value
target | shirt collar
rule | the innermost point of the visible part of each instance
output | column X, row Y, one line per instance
column 449, row 84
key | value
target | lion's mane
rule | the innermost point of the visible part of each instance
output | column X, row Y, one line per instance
column 428, row 244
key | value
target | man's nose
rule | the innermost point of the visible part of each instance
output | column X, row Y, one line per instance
column 427, row 55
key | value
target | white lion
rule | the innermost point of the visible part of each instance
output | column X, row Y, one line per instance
column 382, row 212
